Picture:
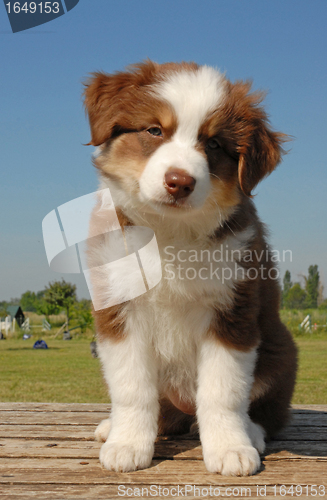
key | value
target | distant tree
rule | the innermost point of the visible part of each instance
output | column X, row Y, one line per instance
column 321, row 297
column 312, row 287
column 287, row 285
column 323, row 305
column 3, row 309
column 28, row 301
column 82, row 312
column 46, row 308
column 62, row 295
column 296, row 297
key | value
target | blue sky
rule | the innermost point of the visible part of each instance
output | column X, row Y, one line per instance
column 280, row 45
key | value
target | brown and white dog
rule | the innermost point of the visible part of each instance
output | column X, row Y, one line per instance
column 181, row 149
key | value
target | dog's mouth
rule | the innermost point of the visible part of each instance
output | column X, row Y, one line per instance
column 180, row 204
column 167, row 204
column 183, row 203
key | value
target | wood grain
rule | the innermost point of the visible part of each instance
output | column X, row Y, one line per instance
column 47, row 451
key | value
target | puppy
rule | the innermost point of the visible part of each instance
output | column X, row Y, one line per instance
column 181, row 149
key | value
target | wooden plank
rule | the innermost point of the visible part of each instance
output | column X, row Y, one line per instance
column 21, row 448
column 30, row 468
column 299, row 433
column 101, row 407
column 56, row 407
column 310, row 407
column 48, row 418
column 60, row 432
column 282, row 451
column 86, row 432
column 177, row 450
column 309, row 419
column 75, row 471
column 292, row 449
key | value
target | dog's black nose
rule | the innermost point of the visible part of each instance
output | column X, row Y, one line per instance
column 179, row 184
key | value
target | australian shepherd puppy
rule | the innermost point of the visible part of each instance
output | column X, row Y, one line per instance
column 181, row 148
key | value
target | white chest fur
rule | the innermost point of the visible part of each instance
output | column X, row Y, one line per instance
column 173, row 317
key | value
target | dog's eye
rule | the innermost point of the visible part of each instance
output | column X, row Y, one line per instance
column 213, row 143
column 155, row 131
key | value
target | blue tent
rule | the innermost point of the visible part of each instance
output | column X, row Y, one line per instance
column 40, row 344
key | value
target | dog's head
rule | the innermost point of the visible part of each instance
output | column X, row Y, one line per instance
column 180, row 137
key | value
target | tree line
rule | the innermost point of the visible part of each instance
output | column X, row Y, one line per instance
column 57, row 297
column 309, row 297
column 60, row 296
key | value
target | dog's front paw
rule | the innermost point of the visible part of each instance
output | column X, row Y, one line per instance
column 257, row 435
column 102, row 431
column 125, row 457
column 241, row 461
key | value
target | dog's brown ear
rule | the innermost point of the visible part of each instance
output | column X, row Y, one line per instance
column 102, row 97
column 260, row 157
column 106, row 98
column 259, row 148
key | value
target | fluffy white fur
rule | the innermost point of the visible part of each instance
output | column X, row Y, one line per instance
column 222, row 409
column 145, row 364
column 165, row 349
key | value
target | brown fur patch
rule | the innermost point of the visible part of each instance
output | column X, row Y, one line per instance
column 258, row 147
column 238, row 326
column 110, row 323
column 225, row 192
column 254, row 320
column 241, row 125
column 277, row 363
column 125, row 156
column 123, row 101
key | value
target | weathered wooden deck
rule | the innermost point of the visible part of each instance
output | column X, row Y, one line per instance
column 47, row 451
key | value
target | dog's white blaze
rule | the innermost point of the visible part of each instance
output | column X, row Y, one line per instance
column 194, row 95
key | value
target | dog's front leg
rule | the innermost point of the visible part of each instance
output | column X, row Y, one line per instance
column 225, row 378
column 131, row 374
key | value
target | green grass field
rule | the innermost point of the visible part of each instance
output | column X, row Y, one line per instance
column 311, row 387
column 67, row 373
